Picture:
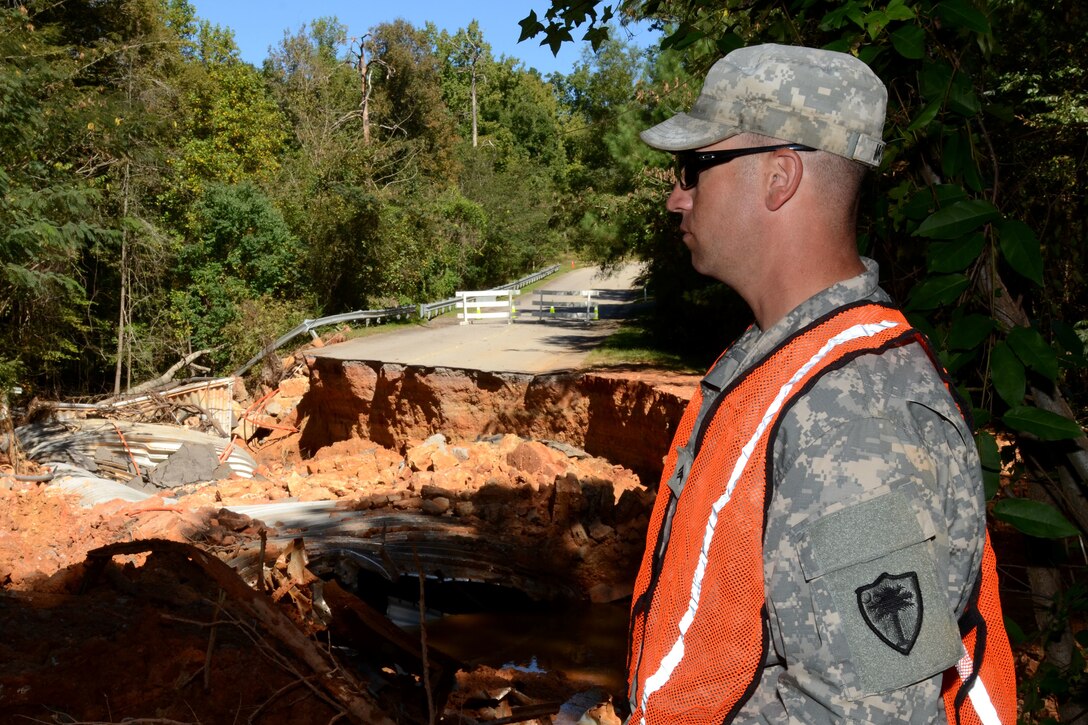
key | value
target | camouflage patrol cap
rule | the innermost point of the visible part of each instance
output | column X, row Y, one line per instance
column 824, row 99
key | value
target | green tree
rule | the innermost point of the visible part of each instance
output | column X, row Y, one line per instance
column 325, row 186
column 600, row 93
column 241, row 249
column 48, row 198
column 127, row 273
column 231, row 128
column 408, row 105
column 520, row 202
column 527, row 119
column 159, row 194
column 318, row 91
column 466, row 70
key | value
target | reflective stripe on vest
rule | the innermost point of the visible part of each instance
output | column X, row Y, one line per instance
column 981, row 688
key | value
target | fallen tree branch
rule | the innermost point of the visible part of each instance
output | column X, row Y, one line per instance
column 168, row 376
column 275, row 696
column 280, row 661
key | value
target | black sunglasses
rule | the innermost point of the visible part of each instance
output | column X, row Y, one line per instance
column 689, row 164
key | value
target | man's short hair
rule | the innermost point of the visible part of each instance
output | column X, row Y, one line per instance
column 838, row 178
column 820, row 98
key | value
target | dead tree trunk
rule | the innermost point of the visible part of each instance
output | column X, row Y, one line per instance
column 122, row 314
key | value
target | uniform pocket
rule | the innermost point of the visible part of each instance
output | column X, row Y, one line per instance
column 884, row 620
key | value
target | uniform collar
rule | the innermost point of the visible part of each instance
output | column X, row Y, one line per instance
column 754, row 344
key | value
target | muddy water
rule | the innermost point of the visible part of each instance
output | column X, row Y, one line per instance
column 587, row 644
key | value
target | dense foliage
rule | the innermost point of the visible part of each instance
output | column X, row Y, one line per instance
column 158, row 196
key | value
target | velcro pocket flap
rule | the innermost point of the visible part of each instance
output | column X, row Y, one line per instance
column 863, row 532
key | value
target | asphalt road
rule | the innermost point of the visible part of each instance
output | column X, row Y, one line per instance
column 533, row 343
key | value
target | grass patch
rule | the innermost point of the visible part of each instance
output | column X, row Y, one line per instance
column 634, row 344
column 360, row 329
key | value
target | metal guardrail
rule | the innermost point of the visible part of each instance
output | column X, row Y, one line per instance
column 311, row 325
column 534, row 277
column 427, row 310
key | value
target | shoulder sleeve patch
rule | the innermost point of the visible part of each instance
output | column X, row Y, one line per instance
column 892, row 606
column 874, row 585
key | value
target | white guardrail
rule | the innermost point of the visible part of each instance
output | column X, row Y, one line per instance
column 493, row 304
column 557, row 304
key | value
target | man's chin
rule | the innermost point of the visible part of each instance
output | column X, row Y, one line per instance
column 698, row 266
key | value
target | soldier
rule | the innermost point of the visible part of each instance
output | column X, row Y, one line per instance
column 818, row 550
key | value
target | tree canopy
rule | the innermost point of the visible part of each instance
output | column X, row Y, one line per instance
column 158, row 194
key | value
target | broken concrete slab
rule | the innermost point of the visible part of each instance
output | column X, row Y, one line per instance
column 190, row 463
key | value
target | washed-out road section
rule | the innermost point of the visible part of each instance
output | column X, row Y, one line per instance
column 532, row 343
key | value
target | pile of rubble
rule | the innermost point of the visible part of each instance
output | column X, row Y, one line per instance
column 243, row 592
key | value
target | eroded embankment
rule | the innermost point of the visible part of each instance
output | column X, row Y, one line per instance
column 624, row 416
column 383, row 510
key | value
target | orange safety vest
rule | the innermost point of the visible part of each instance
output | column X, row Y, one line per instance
column 698, row 620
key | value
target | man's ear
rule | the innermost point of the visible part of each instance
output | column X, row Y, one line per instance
column 786, row 170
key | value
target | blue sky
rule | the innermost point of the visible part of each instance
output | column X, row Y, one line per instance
column 258, row 24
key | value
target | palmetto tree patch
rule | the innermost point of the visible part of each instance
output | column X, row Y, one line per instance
column 892, row 607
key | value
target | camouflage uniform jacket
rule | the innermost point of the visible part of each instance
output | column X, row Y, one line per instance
column 874, row 470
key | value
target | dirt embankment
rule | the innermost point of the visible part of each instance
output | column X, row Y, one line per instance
column 626, row 417
column 532, row 484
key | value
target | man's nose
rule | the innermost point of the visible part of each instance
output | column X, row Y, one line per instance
column 679, row 200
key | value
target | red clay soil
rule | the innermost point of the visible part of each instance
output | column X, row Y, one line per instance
column 136, row 639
